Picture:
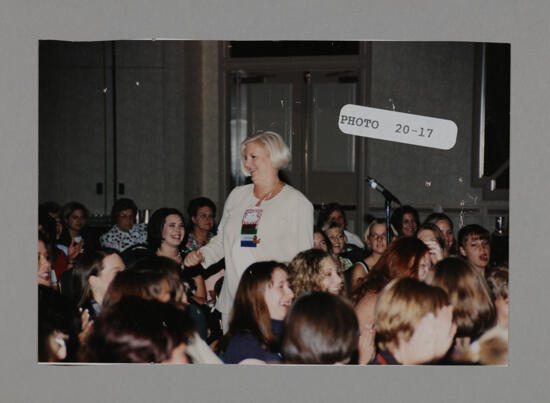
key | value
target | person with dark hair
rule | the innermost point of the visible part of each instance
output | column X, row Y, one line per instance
column 137, row 330
column 320, row 328
column 337, row 240
column 474, row 246
column 445, row 224
column 58, row 326
column 50, row 225
column 202, row 212
column 148, row 284
column 405, row 220
column 261, row 303
column 413, row 323
column 161, row 278
column 44, row 261
column 335, row 212
column 166, row 231
column 76, row 237
column 320, row 240
column 125, row 233
column 91, row 276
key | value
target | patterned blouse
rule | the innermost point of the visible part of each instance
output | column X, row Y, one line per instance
column 121, row 240
column 193, row 244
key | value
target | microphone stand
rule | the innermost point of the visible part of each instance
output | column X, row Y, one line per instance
column 388, row 225
column 374, row 184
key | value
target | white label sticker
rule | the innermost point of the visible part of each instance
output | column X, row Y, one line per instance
column 397, row 126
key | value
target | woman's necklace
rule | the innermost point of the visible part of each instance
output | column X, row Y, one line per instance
column 177, row 257
column 268, row 195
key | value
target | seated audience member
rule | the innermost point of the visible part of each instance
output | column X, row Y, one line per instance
column 320, row 328
column 261, row 303
column 91, row 276
column 75, row 237
column 473, row 310
column 445, row 224
column 166, row 232
column 58, row 326
column 315, row 270
column 498, row 287
column 490, row 349
column 137, row 330
column 161, row 278
column 337, row 239
column 335, row 212
column 473, row 244
column 125, row 233
column 50, row 224
column 413, row 322
column 320, row 240
column 405, row 220
column 376, row 240
column 431, row 235
column 148, row 284
column 404, row 257
column 44, row 264
column 202, row 212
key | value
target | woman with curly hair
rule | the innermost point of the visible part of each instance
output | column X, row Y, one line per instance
column 315, row 270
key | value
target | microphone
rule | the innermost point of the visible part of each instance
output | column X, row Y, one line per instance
column 374, row 184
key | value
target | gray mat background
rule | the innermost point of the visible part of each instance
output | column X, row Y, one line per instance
column 524, row 25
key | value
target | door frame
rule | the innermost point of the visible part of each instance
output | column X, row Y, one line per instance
column 360, row 63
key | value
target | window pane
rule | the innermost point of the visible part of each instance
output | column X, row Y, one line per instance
column 332, row 150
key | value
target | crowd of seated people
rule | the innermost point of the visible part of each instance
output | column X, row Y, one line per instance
column 127, row 295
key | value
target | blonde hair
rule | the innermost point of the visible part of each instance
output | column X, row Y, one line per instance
column 274, row 145
column 498, row 282
column 377, row 221
column 306, row 272
column 439, row 238
column 399, row 308
column 490, row 349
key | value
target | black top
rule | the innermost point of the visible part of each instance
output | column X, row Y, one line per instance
column 245, row 345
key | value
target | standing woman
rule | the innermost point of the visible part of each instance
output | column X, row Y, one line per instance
column 265, row 220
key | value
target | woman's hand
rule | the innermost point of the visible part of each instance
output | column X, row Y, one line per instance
column 436, row 253
column 74, row 250
column 87, row 326
column 193, row 258
column 366, row 346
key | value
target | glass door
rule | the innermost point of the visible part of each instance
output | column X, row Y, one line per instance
column 303, row 107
